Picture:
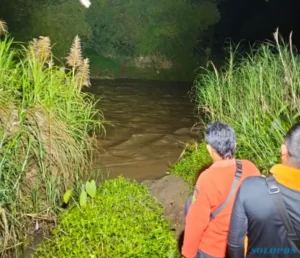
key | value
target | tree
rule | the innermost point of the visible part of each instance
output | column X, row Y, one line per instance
column 61, row 22
column 146, row 27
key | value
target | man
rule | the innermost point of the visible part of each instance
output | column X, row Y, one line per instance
column 208, row 217
column 267, row 209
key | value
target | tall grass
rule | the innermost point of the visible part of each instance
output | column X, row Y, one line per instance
column 258, row 95
column 46, row 134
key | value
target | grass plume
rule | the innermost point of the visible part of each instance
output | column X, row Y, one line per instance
column 83, row 74
column 74, row 59
column 41, row 48
column 3, row 28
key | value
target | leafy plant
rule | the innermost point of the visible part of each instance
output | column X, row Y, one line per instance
column 91, row 188
column 88, row 189
column 83, row 199
column 123, row 220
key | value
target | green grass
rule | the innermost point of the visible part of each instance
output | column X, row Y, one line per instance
column 258, row 95
column 123, row 220
column 46, row 126
column 193, row 161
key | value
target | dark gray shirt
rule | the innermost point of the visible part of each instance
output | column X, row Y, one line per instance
column 255, row 213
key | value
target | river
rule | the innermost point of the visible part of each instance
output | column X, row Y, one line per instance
column 151, row 122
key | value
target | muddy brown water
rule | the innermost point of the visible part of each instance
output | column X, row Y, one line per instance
column 151, row 120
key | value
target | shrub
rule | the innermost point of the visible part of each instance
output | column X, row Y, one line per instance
column 123, row 220
column 259, row 97
column 193, row 160
column 45, row 134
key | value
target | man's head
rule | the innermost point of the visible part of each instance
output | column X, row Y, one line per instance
column 290, row 149
column 220, row 140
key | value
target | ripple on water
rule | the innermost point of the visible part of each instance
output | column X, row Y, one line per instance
column 151, row 122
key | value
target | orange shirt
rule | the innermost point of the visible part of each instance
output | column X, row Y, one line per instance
column 212, row 189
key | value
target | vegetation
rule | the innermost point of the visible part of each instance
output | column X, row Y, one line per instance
column 192, row 162
column 146, row 27
column 68, row 21
column 46, row 134
column 258, row 96
column 166, row 34
column 123, row 220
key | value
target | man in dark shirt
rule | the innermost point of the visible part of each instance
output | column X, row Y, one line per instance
column 257, row 214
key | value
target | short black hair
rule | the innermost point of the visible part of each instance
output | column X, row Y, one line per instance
column 221, row 137
column 292, row 142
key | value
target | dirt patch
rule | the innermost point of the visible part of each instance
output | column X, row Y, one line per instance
column 172, row 192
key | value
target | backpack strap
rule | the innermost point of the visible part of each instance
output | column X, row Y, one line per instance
column 237, row 177
column 277, row 198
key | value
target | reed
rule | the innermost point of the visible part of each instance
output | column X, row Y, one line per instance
column 47, row 127
column 258, row 95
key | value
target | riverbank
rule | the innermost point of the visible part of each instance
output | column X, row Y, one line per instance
column 109, row 69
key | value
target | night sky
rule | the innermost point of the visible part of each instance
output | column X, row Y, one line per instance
column 256, row 20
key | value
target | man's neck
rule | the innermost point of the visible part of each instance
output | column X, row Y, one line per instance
column 291, row 164
column 217, row 159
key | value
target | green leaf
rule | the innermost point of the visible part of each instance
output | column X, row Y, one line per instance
column 67, row 196
column 91, row 188
column 82, row 199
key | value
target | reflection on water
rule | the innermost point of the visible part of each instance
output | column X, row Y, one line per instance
column 151, row 122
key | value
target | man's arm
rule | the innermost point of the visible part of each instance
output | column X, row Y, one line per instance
column 238, row 227
column 197, row 220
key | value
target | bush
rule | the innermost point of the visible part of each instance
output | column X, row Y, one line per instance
column 133, row 28
column 45, row 134
column 194, row 159
column 259, row 97
column 123, row 220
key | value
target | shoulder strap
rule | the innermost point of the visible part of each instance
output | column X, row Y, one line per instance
column 237, row 177
column 276, row 196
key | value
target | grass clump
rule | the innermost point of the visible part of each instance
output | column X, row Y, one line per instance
column 46, row 134
column 258, row 96
column 123, row 220
column 193, row 160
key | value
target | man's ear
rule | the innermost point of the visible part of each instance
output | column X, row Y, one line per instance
column 284, row 154
column 209, row 149
column 284, row 150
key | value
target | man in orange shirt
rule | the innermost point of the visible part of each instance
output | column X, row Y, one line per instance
column 208, row 218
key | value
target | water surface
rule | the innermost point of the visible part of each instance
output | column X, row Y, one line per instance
column 151, row 120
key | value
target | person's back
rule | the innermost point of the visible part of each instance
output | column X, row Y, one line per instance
column 206, row 236
column 266, row 232
column 256, row 212
column 217, row 182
